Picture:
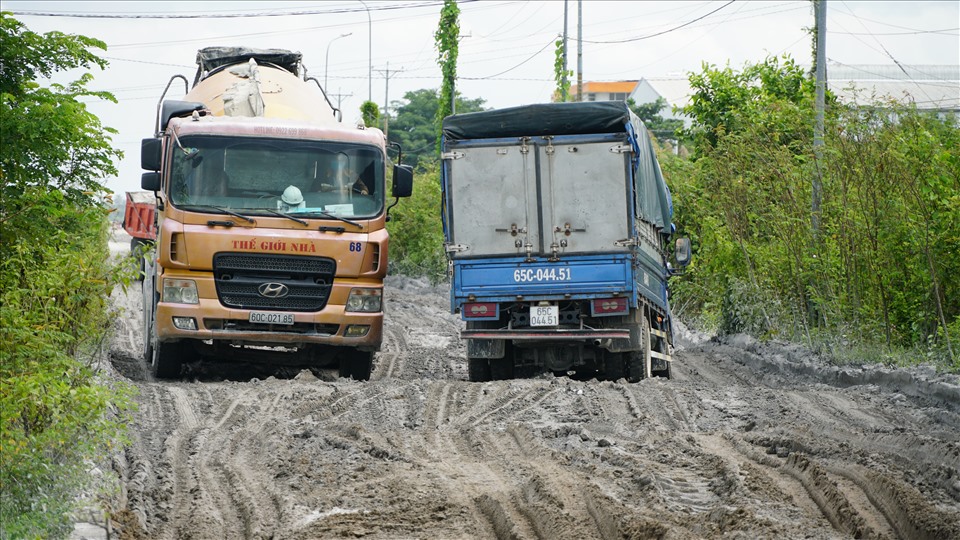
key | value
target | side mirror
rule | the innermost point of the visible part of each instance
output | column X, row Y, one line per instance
column 682, row 251
column 402, row 180
column 150, row 181
column 150, row 154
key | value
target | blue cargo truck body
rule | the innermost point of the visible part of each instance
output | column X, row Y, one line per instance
column 556, row 223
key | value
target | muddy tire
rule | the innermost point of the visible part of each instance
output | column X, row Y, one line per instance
column 501, row 369
column 356, row 365
column 147, row 349
column 168, row 359
column 478, row 369
column 615, row 366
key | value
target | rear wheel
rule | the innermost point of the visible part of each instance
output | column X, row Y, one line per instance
column 502, row 368
column 615, row 365
column 478, row 369
column 636, row 364
column 356, row 364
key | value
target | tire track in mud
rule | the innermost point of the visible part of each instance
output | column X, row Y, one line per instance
column 390, row 358
column 481, row 484
column 725, row 449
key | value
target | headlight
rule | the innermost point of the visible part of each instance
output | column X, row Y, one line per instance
column 180, row 291
column 364, row 300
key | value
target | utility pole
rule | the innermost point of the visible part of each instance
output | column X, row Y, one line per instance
column 386, row 97
column 820, row 8
column 563, row 80
column 579, row 50
column 340, row 97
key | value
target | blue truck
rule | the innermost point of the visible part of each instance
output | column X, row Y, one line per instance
column 557, row 227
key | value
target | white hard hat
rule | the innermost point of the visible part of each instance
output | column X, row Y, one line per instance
column 292, row 196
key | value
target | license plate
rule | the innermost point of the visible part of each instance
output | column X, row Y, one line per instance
column 270, row 317
column 544, row 315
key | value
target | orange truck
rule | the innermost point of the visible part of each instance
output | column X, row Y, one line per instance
column 139, row 220
column 271, row 243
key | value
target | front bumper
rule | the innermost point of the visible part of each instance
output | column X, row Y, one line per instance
column 216, row 322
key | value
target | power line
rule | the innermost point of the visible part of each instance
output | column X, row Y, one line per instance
column 942, row 32
column 551, row 42
column 895, row 61
column 430, row 3
column 639, row 38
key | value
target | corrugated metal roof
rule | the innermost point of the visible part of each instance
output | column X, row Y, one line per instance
column 935, row 95
column 932, row 87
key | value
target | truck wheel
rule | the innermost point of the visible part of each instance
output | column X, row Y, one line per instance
column 148, row 329
column 615, row 365
column 478, row 369
column 501, row 369
column 168, row 359
column 356, row 364
column 638, row 362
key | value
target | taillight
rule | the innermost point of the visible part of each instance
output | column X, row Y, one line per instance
column 610, row 306
column 480, row 310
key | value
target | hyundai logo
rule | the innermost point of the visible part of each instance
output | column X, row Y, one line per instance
column 273, row 290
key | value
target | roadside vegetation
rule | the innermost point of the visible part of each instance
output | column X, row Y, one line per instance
column 57, row 416
column 877, row 277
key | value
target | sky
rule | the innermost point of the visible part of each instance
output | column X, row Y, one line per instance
column 381, row 49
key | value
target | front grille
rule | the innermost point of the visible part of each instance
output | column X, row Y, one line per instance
column 308, row 280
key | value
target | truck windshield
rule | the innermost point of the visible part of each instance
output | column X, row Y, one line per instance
column 263, row 176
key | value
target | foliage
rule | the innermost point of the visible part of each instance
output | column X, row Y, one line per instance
column 63, row 146
column 413, row 128
column 416, row 232
column 448, row 46
column 560, row 75
column 370, row 112
column 649, row 113
column 55, row 416
column 884, row 270
column 725, row 100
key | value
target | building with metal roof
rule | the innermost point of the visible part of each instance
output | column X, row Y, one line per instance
column 928, row 87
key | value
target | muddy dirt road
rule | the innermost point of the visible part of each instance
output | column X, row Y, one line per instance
column 747, row 441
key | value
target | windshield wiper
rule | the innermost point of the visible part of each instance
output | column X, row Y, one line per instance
column 336, row 217
column 224, row 210
column 288, row 216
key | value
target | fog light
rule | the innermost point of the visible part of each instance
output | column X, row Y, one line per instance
column 364, row 301
column 180, row 291
column 356, row 330
column 185, row 323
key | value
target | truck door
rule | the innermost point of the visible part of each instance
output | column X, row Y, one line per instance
column 493, row 194
column 587, row 197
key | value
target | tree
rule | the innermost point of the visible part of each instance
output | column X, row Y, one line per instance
column 54, row 278
column 448, row 45
column 370, row 112
column 649, row 113
column 725, row 99
column 62, row 146
column 413, row 127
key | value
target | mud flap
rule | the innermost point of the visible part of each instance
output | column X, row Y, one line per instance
column 485, row 348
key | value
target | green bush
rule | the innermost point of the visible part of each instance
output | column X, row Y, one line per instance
column 56, row 416
column 416, row 231
column 881, row 269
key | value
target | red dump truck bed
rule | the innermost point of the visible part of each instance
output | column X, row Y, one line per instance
column 138, row 218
